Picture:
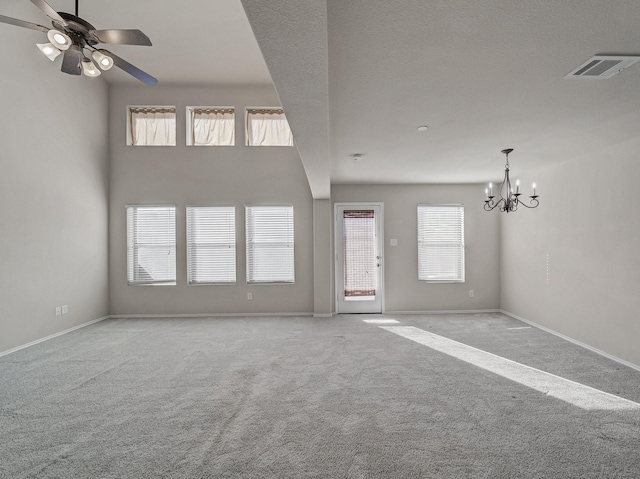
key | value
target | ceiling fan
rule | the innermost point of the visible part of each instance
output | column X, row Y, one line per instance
column 73, row 35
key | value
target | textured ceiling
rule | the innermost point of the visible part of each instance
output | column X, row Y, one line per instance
column 483, row 75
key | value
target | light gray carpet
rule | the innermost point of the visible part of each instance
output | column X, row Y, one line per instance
column 304, row 397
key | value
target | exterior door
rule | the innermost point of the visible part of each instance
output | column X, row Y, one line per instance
column 359, row 278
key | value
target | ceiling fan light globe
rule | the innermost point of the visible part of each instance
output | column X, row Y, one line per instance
column 49, row 50
column 89, row 69
column 105, row 62
column 58, row 39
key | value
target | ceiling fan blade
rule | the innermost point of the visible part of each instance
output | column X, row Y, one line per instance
column 22, row 23
column 49, row 11
column 72, row 59
column 132, row 70
column 121, row 37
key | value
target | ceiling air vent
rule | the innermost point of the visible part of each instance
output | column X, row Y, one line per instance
column 603, row 66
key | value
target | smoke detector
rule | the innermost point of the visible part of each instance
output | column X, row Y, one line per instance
column 603, row 66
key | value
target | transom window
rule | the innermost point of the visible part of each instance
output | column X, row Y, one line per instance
column 152, row 126
column 211, row 126
column 268, row 127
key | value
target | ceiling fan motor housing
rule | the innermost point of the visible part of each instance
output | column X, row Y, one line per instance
column 78, row 29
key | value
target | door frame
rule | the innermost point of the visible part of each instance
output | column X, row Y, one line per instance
column 337, row 244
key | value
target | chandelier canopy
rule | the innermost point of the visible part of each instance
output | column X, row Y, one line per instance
column 508, row 200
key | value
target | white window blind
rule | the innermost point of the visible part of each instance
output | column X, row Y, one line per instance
column 151, row 244
column 359, row 254
column 153, row 126
column 441, row 243
column 268, row 127
column 270, row 244
column 211, row 244
column 215, row 126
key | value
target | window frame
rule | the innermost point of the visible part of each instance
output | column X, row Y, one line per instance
column 248, row 242
column 461, row 244
column 131, row 255
column 189, row 123
column 191, row 282
column 129, row 124
column 247, row 137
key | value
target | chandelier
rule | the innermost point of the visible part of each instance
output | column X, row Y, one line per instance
column 509, row 201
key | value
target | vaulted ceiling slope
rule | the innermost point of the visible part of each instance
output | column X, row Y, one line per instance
column 360, row 76
column 293, row 39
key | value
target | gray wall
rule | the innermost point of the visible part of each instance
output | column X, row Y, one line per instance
column 403, row 291
column 53, row 190
column 182, row 176
column 573, row 264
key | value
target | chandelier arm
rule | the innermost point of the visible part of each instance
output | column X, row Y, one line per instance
column 533, row 203
column 491, row 205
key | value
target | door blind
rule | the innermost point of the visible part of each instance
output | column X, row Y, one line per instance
column 441, row 243
column 270, row 244
column 211, row 244
column 151, row 244
column 359, row 255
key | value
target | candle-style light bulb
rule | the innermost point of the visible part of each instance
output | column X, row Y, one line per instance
column 534, row 189
column 518, row 186
column 491, row 189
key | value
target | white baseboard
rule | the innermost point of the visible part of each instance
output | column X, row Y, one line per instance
column 447, row 311
column 574, row 341
column 204, row 315
column 323, row 315
column 37, row 341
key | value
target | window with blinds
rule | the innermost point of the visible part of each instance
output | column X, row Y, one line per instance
column 270, row 244
column 441, row 243
column 359, row 253
column 211, row 244
column 152, row 126
column 151, row 244
column 268, row 127
column 211, row 126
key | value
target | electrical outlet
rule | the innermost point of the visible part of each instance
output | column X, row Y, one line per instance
column 249, row 296
column 65, row 309
column 471, row 293
column 58, row 310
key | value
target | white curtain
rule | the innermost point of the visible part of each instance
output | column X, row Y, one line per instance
column 268, row 128
column 153, row 127
column 213, row 127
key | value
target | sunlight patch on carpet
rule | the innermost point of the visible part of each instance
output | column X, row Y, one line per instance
column 380, row 321
column 579, row 395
